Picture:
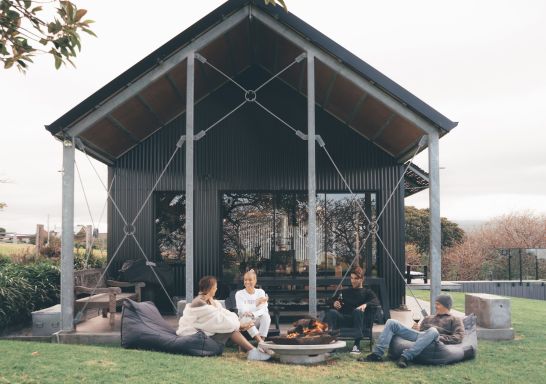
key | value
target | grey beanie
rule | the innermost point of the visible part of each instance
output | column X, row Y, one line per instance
column 445, row 300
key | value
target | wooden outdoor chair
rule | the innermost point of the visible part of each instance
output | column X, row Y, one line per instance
column 106, row 298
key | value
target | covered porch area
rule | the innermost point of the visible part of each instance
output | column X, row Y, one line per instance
column 217, row 111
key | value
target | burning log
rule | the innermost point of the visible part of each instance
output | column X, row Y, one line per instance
column 307, row 331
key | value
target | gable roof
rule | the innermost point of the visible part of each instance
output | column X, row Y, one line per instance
column 151, row 94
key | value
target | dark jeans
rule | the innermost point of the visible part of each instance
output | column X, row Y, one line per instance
column 336, row 320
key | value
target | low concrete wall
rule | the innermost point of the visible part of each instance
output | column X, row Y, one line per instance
column 528, row 289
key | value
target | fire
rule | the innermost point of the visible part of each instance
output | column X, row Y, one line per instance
column 307, row 327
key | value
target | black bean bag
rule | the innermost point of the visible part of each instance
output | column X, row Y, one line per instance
column 142, row 327
column 438, row 353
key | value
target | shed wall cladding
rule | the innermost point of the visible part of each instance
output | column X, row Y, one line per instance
column 251, row 151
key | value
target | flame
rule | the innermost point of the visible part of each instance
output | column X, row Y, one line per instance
column 315, row 328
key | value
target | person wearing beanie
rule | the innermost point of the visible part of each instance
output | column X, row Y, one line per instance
column 440, row 328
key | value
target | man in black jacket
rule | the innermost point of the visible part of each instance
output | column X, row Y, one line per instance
column 351, row 306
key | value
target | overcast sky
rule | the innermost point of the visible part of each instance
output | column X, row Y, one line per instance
column 481, row 63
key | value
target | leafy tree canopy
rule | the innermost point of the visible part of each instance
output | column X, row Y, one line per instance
column 25, row 32
column 417, row 230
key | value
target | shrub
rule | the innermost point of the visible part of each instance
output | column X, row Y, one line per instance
column 26, row 288
column 93, row 261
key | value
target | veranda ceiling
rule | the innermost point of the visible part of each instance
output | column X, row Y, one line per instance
column 111, row 129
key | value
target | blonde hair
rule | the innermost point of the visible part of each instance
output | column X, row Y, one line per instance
column 251, row 272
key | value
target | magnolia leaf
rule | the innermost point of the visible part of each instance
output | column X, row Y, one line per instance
column 80, row 13
column 281, row 2
column 86, row 30
column 58, row 61
column 8, row 63
column 274, row 3
column 36, row 9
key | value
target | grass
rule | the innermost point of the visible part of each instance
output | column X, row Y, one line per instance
column 8, row 249
column 521, row 360
column 21, row 252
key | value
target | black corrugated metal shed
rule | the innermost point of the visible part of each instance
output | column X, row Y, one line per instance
column 370, row 123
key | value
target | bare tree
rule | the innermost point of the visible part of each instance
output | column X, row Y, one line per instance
column 478, row 257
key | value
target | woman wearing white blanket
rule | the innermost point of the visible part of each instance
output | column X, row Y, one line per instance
column 207, row 315
column 252, row 305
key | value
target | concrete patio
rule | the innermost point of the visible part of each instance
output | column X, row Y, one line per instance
column 96, row 330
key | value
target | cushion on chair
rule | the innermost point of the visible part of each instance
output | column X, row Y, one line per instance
column 143, row 327
column 438, row 353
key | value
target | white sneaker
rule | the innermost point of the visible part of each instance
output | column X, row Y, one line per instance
column 355, row 350
column 257, row 355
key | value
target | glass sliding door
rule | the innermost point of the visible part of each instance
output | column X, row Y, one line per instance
column 343, row 232
column 268, row 232
column 170, row 226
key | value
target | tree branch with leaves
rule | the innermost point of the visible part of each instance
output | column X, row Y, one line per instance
column 24, row 32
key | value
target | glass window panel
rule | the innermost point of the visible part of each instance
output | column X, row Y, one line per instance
column 170, row 226
column 269, row 232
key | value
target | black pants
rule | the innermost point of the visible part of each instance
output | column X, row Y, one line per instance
column 336, row 319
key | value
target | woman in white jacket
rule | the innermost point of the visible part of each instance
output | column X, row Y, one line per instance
column 207, row 315
column 252, row 306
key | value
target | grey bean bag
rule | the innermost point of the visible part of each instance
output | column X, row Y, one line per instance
column 438, row 353
column 142, row 327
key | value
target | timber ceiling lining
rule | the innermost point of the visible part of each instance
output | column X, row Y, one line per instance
column 246, row 44
column 178, row 77
column 371, row 117
column 133, row 116
column 398, row 135
column 106, row 136
column 343, row 98
column 238, row 41
column 323, row 76
column 163, row 99
column 288, row 52
column 266, row 46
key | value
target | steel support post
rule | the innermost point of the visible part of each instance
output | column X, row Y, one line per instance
column 190, row 78
column 312, row 187
column 435, row 229
column 67, row 238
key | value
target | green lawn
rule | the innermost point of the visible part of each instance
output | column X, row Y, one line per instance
column 520, row 361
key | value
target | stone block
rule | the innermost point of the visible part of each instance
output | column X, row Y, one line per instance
column 46, row 322
column 495, row 334
column 492, row 311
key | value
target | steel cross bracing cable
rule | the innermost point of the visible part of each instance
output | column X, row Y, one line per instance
column 90, row 249
column 372, row 225
column 249, row 94
column 376, row 221
column 129, row 229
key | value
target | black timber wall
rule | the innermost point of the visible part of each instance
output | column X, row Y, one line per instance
column 251, row 150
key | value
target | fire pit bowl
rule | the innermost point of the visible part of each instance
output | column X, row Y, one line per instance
column 307, row 340
column 302, row 354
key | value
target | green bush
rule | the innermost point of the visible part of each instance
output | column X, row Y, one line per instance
column 25, row 288
column 92, row 262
